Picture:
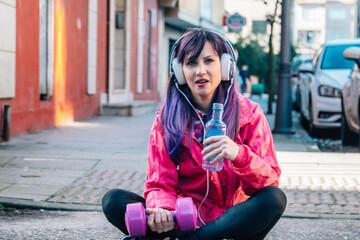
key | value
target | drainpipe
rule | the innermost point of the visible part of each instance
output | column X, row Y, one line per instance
column 6, row 127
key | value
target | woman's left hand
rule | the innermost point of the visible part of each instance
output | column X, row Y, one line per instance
column 222, row 146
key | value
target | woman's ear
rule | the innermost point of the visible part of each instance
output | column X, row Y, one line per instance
column 178, row 71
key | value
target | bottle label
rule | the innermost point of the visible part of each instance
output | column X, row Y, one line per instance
column 215, row 132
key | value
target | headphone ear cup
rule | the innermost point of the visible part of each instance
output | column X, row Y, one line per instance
column 226, row 66
column 178, row 71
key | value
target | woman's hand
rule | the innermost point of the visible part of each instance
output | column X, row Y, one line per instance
column 160, row 220
column 222, row 146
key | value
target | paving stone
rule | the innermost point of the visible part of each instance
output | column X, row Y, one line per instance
column 90, row 188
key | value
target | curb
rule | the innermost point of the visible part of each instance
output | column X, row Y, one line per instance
column 25, row 203
column 321, row 216
column 30, row 204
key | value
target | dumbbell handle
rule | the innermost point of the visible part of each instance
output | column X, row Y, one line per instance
column 173, row 213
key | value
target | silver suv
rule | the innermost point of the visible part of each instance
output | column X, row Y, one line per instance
column 350, row 129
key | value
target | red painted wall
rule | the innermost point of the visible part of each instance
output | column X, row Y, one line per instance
column 70, row 101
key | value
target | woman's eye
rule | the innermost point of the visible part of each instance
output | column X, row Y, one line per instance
column 209, row 60
column 191, row 63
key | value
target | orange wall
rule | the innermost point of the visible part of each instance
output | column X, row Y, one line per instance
column 70, row 101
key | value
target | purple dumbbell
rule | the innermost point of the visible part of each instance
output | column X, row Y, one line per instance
column 185, row 215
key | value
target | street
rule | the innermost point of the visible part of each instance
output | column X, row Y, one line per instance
column 51, row 225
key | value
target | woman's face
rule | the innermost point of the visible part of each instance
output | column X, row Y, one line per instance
column 203, row 75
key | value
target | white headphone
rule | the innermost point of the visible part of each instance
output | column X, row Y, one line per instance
column 226, row 60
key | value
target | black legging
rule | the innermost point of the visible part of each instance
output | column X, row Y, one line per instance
column 251, row 219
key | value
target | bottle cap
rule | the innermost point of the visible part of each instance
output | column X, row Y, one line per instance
column 218, row 106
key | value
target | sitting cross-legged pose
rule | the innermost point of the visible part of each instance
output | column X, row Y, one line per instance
column 239, row 200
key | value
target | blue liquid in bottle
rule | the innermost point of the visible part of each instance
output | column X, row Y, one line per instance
column 215, row 127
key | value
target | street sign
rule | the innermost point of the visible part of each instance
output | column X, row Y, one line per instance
column 235, row 22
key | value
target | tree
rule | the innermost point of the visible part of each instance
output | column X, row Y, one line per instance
column 271, row 74
column 251, row 53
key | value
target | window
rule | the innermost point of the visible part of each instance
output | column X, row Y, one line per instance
column 92, row 47
column 46, row 49
column 307, row 38
column 7, row 49
column 259, row 27
column 311, row 12
column 148, row 69
column 337, row 13
column 336, row 35
column 206, row 9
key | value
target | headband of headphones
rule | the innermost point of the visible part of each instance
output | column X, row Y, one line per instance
column 227, row 61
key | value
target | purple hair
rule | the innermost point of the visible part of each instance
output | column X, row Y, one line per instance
column 176, row 115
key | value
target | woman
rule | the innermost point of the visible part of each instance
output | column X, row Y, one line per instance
column 242, row 201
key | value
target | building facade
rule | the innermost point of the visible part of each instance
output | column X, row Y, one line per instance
column 53, row 62
column 314, row 22
column 256, row 14
column 63, row 61
column 176, row 20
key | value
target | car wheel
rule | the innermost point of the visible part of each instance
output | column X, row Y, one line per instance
column 297, row 102
column 313, row 131
column 348, row 137
column 303, row 121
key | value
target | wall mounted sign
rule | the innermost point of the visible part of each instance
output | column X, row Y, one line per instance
column 235, row 22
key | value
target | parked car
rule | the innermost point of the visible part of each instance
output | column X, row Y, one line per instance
column 321, row 84
column 350, row 124
column 295, row 91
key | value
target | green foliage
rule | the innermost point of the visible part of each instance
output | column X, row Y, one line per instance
column 4, row 209
column 253, row 55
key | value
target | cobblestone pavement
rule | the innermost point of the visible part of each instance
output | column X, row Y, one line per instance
column 90, row 188
column 308, row 196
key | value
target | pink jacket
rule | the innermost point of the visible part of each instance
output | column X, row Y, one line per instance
column 254, row 168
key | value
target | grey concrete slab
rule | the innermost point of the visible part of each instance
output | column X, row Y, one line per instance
column 38, row 176
column 52, row 163
column 31, row 189
column 318, row 157
column 4, row 160
column 28, row 197
column 33, row 192
column 4, row 185
column 295, row 147
column 37, row 179
column 132, row 165
column 10, row 173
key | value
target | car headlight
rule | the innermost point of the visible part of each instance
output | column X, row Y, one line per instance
column 327, row 91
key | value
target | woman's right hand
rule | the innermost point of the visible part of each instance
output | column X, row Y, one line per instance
column 160, row 220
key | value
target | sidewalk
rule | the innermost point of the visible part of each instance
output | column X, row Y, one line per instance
column 71, row 167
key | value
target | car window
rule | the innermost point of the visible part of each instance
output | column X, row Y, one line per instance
column 315, row 61
column 333, row 58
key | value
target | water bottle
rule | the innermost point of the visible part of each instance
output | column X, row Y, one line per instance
column 215, row 127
